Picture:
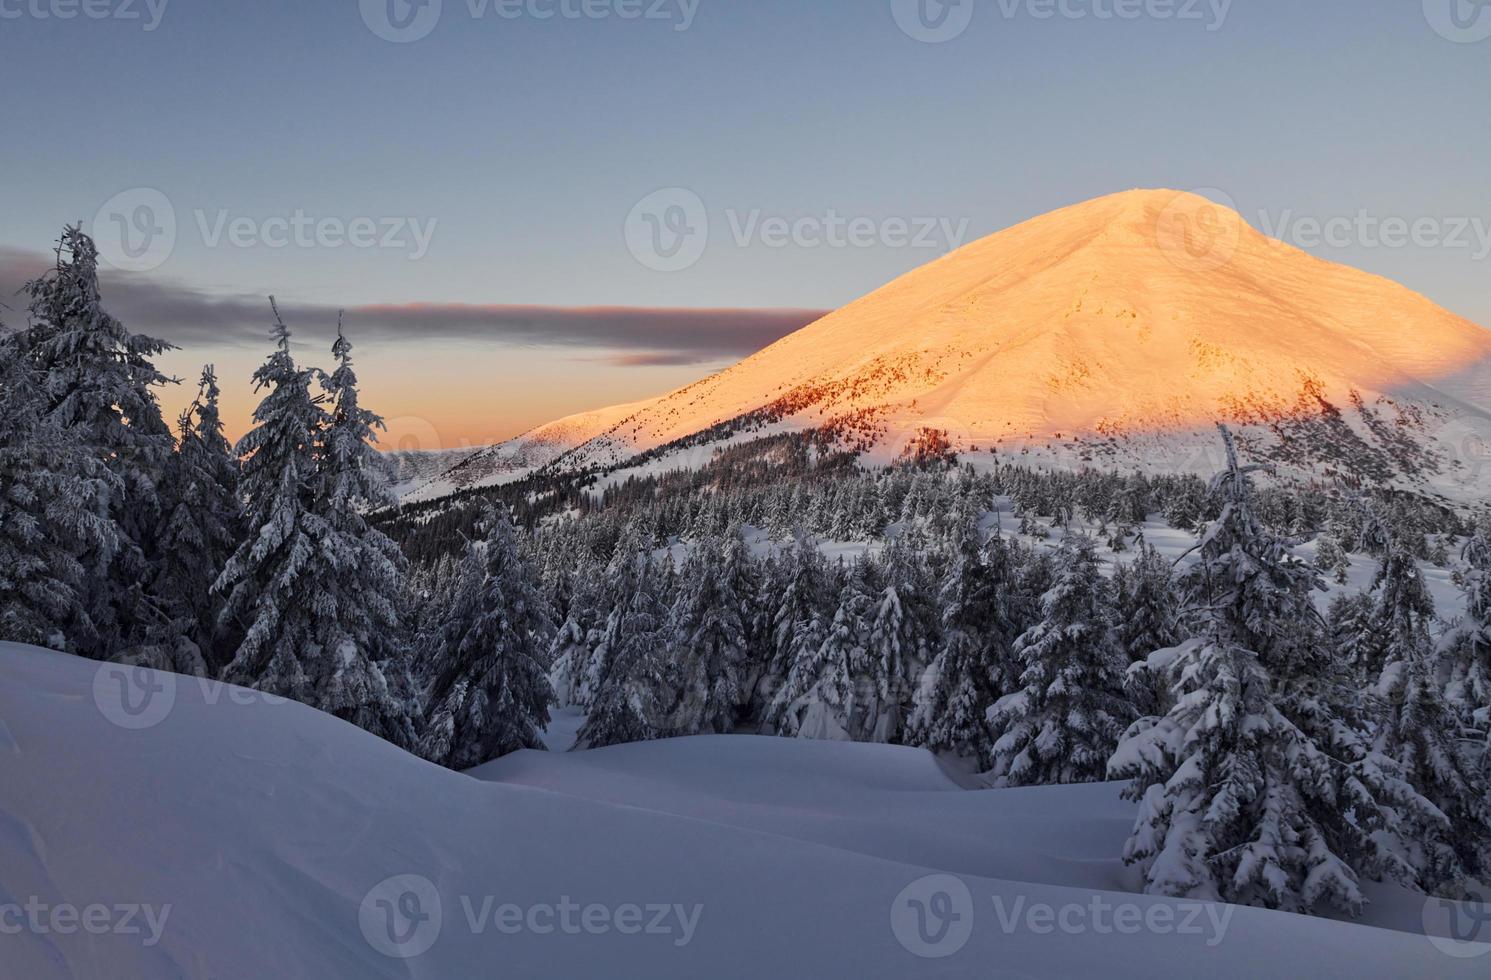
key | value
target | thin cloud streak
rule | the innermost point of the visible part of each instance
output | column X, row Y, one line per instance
column 188, row 316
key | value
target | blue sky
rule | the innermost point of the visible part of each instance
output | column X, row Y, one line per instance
column 522, row 144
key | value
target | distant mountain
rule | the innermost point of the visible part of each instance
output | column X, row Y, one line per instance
column 516, row 458
column 1113, row 333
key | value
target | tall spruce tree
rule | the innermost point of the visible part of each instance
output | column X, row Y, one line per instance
column 54, row 508
column 1256, row 787
column 1444, row 834
column 368, row 677
column 1064, row 721
column 972, row 668
column 1147, row 615
column 902, row 635
column 708, row 636
column 100, row 384
column 204, row 524
column 626, row 708
column 819, row 700
column 491, row 694
column 1468, row 645
column 272, row 583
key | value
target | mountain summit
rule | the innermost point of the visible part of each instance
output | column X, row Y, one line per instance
column 1114, row 332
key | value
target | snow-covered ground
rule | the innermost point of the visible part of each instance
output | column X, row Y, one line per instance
column 202, row 831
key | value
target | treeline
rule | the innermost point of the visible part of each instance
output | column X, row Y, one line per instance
column 1279, row 756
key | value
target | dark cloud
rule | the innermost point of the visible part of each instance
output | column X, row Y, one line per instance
column 655, row 359
column 188, row 317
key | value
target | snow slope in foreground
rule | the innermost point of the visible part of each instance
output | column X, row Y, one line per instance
column 270, row 831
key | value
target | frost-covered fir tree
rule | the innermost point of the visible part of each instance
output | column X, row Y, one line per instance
column 1349, row 627
column 1064, row 720
column 1402, row 614
column 1444, row 830
column 368, row 677
column 491, row 693
column 1147, row 614
column 802, row 604
column 100, row 384
column 626, row 708
column 1255, row 788
column 1332, row 557
column 272, row 584
column 820, row 698
column 572, row 655
column 800, row 616
column 972, row 668
column 587, row 659
column 54, row 507
column 708, row 637
column 901, row 636
column 1468, row 644
column 204, row 524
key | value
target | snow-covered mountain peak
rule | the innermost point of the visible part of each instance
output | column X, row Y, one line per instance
column 1113, row 332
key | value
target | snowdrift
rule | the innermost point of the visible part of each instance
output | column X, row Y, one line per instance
column 154, row 826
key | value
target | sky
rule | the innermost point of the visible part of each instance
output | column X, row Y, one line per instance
column 529, row 208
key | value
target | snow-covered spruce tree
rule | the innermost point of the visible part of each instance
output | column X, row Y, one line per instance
column 1349, row 622
column 902, row 634
column 591, row 657
column 575, row 642
column 203, row 526
column 272, row 584
column 972, row 668
column 819, row 700
column 491, row 694
column 708, row 637
column 1064, row 721
column 1147, row 614
column 1468, row 644
column 1332, row 557
column 626, row 706
column 1444, row 831
column 100, row 385
column 368, row 678
column 800, row 611
column 1402, row 612
column 1255, row 788
column 54, row 507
